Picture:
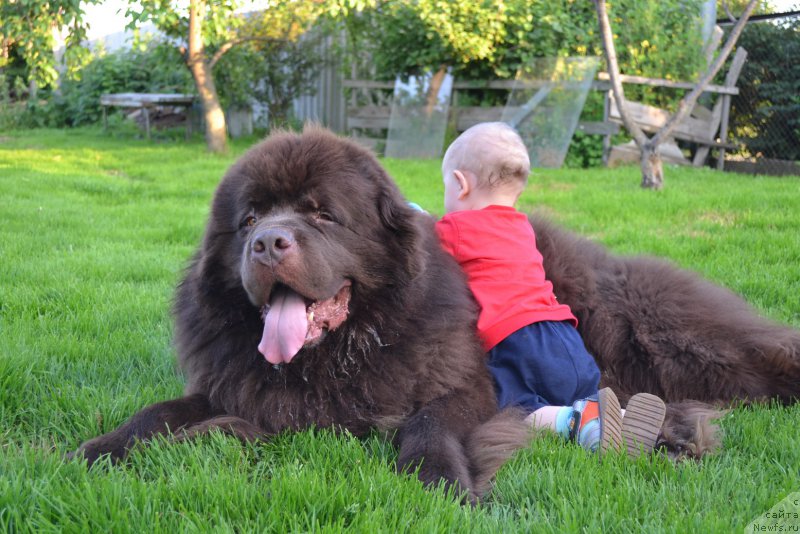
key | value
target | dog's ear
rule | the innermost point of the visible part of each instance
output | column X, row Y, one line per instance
column 404, row 224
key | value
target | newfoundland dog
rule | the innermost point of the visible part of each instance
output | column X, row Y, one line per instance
column 319, row 298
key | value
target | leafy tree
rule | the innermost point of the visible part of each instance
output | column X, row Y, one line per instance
column 28, row 27
column 728, row 8
column 209, row 29
column 281, row 63
column 409, row 37
column 494, row 38
column 394, row 37
column 199, row 24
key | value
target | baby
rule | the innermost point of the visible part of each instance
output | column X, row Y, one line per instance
column 535, row 353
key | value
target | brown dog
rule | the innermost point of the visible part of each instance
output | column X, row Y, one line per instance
column 318, row 297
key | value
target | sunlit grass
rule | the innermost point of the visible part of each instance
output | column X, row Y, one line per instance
column 94, row 234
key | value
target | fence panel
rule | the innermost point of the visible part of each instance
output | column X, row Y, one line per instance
column 765, row 115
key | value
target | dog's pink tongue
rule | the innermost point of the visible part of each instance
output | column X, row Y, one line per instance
column 285, row 327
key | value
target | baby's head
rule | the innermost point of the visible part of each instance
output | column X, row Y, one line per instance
column 487, row 164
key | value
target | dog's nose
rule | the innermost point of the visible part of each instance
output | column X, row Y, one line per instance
column 273, row 244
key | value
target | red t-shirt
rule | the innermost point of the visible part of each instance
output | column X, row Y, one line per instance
column 496, row 247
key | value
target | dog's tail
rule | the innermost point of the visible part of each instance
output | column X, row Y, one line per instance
column 492, row 443
column 689, row 430
column 778, row 358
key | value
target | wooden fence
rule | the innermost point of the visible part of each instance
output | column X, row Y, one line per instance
column 364, row 121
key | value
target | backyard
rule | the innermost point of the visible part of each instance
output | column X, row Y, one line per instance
column 95, row 231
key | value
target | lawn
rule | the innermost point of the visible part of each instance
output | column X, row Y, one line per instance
column 94, row 234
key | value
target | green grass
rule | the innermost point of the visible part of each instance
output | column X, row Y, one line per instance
column 94, row 234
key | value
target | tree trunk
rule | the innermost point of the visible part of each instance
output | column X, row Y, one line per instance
column 216, row 138
column 432, row 98
column 652, row 170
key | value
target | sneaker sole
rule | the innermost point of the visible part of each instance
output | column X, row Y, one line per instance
column 610, row 421
column 642, row 422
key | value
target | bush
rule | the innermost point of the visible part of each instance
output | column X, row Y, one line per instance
column 149, row 67
column 273, row 72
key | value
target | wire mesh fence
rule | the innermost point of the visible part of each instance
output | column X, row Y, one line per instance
column 765, row 116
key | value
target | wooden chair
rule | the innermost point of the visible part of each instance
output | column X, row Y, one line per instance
column 707, row 128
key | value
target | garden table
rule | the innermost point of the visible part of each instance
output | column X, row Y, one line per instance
column 147, row 102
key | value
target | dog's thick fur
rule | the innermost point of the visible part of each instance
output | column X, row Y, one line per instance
column 406, row 359
column 667, row 331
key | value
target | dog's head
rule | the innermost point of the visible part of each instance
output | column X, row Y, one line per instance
column 312, row 228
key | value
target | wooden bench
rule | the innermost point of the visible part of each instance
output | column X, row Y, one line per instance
column 147, row 102
column 706, row 128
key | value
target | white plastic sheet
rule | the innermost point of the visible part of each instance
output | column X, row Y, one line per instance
column 545, row 105
column 419, row 116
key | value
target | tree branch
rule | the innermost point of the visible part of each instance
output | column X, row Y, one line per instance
column 688, row 101
column 728, row 11
column 613, row 73
column 230, row 44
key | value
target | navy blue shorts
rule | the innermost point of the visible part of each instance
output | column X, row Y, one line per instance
column 543, row 364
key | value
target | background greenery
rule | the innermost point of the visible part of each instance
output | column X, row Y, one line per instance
column 766, row 113
column 94, row 234
column 283, row 49
column 658, row 39
column 383, row 39
column 149, row 66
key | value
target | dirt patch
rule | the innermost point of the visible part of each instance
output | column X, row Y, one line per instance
column 720, row 219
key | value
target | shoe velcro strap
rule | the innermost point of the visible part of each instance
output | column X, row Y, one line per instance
column 574, row 425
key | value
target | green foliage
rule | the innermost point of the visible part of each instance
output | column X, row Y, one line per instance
column 272, row 71
column 540, row 29
column 655, row 39
column 150, row 66
column 17, row 111
column 15, row 73
column 411, row 37
column 10, row 110
column 584, row 151
column 766, row 114
column 737, row 6
column 86, row 342
column 27, row 26
column 289, row 70
column 267, row 54
column 172, row 18
column 277, row 61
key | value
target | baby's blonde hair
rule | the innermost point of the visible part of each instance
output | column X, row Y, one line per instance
column 493, row 152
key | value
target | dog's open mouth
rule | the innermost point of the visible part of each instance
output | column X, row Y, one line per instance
column 291, row 321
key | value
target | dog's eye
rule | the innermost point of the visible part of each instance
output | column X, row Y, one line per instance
column 249, row 221
column 324, row 216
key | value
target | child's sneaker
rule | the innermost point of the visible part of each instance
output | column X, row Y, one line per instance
column 642, row 422
column 596, row 422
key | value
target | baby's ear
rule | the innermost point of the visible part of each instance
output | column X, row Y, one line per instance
column 464, row 184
